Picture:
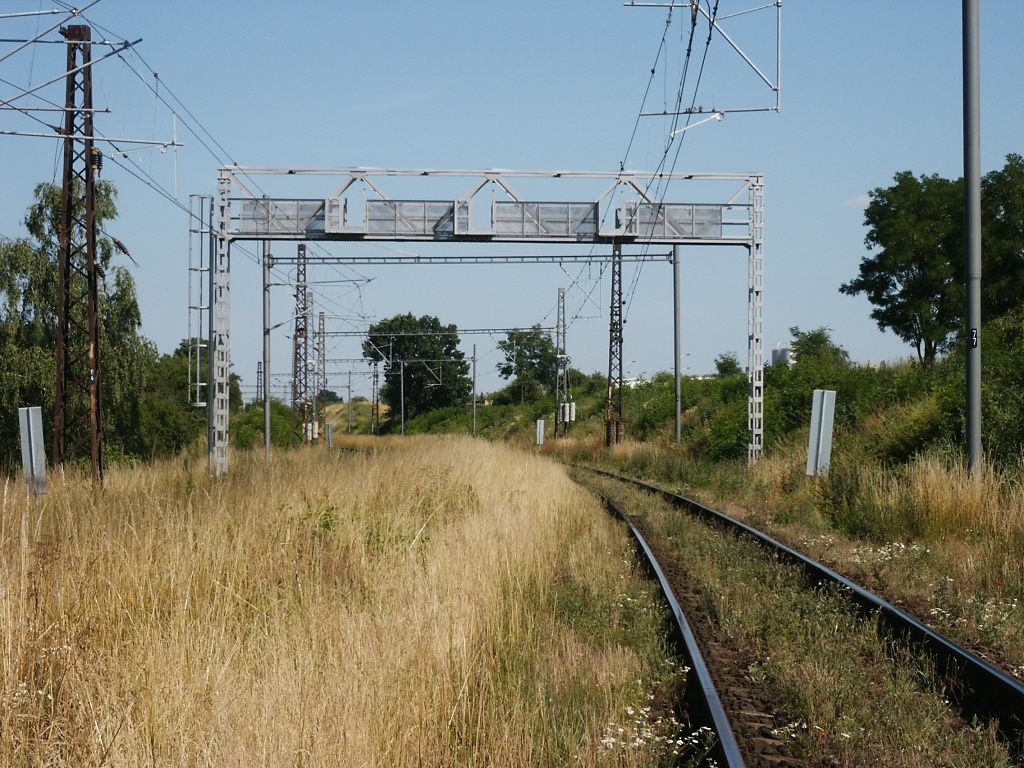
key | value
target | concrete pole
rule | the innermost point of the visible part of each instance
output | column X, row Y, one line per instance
column 972, row 227
column 266, row 350
column 474, row 390
column 676, row 347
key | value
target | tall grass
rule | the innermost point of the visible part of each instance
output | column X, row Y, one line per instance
column 930, row 498
column 446, row 603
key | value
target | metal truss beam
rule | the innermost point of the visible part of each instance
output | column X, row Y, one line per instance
column 358, row 209
column 456, row 332
column 395, row 259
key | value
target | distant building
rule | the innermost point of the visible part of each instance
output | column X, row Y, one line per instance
column 783, row 355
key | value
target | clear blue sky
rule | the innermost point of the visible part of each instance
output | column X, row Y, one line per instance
column 869, row 88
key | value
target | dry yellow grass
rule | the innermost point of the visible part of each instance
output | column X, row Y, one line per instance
column 941, row 499
column 450, row 602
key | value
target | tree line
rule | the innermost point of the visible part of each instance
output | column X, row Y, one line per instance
column 914, row 275
column 144, row 393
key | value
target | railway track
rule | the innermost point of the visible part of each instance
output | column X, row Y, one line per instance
column 703, row 702
column 976, row 687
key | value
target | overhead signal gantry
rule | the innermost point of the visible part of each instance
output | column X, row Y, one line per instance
column 723, row 209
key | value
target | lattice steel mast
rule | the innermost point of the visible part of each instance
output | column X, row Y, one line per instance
column 77, row 413
column 613, row 410
column 300, row 349
column 561, row 368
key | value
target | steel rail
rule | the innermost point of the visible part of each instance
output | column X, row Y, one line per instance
column 701, row 697
column 975, row 685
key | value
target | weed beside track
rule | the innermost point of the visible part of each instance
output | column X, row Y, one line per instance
column 422, row 602
column 837, row 691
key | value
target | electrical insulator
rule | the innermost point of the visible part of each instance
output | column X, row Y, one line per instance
column 97, row 160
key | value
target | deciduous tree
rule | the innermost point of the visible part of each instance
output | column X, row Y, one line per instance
column 530, row 358
column 436, row 373
column 28, row 326
column 913, row 276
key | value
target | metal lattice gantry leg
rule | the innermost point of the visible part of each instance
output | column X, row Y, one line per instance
column 200, row 228
column 755, row 321
column 77, row 408
column 220, row 328
column 614, row 431
column 300, row 349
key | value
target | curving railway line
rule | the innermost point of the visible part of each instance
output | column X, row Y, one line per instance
column 977, row 688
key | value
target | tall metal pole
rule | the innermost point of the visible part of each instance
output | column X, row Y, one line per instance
column 348, row 410
column 614, row 407
column 972, row 227
column 321, row 368
column 300, row 349
column 266, row 349
column 474, row 390
column 375, row 413
column 401, row 393
column 676, row 346
column 561, row 367
column 77, row 405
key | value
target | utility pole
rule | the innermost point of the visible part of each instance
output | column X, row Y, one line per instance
column 77, row 415
column 265, row 395
column 613, row 410
column 561, row 369
column 321, row 367
column 300, row 348
column 348, row 410
column 401, row 394
column 474, row 390
column 375, row 413
column 676, row 343
column 972, row 227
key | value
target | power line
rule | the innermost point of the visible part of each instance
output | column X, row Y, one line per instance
column 680, row 134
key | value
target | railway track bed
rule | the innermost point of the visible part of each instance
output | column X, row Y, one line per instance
column 812, row 672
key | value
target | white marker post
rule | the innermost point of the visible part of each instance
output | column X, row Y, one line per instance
column 33, row 455
column 540, row 431
column 819, row 446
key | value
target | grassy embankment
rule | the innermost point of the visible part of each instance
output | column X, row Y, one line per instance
column 947, row 545
column 898, row 510
column 430, row 602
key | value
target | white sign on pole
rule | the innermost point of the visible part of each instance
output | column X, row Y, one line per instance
column 540, row 431
column 819, row 445
column 33, row 455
